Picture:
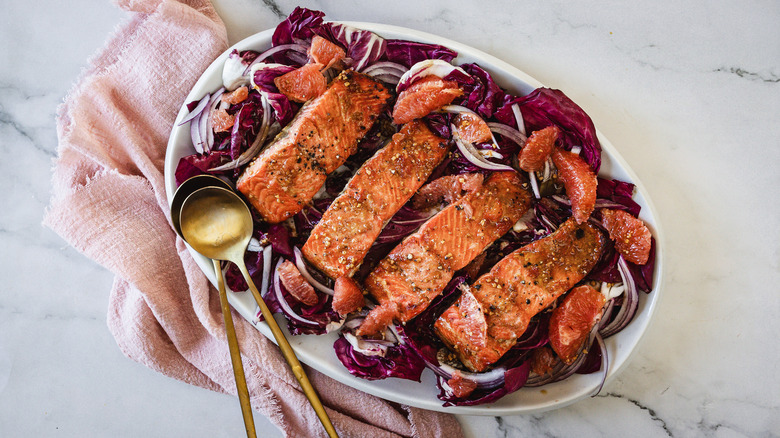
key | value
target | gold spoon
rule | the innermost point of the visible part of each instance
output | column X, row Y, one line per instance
column 218, row 224
column 183, row 192
column 186, row 188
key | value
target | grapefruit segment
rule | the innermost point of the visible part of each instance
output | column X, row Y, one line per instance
column 347, row 296
column 325, row 52
column 472, row 128
column 580, row 182
column 236, row 96
column 302, row 84
column 461, row 387
column 295, row 284
column 542, row 360
column 222, row 121
column 572, row 321
column 537, row 148
column 427, row 94
column 631, row 236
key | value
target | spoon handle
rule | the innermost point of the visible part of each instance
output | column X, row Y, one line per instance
column 235, row 356
column 289, row 356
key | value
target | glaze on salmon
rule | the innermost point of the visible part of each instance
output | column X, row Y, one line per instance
column 418, row 269
column 378, row 189
column 324, row 133
column 494, row 312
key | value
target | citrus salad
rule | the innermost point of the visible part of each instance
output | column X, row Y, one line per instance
column 430, row 217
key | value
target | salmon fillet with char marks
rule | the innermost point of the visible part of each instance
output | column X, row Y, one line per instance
column 324, row 133
column 348, row 228
column 494, row 312
column 418, row 269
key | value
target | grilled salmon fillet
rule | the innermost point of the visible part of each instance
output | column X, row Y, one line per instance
column 494, row 312
column 418, row 269
column 324, row 133
column 378, row 189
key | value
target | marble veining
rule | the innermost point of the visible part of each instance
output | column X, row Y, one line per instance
column 688, row 92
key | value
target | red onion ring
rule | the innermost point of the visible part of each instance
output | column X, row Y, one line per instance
column 300, row 48
column 474, row 157
column 197, row 110
column 197, row 140
column 267, row 254
column 299, row 262
column 385, row 66
column 519, row 118
column 534, row 185
column 508, row 132
column 604, row 362
column 204, row 121
column 630, row 302
column 289, row 312
column 427, row 67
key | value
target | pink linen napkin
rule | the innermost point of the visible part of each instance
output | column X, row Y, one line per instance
column 109, row 202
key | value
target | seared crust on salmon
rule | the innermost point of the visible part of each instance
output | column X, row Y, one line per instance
column 418, row 269
column 348, row 228
column 324, row 133
column 494, row 312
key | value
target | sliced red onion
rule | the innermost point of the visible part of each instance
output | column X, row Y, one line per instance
column 305, row 272
column 385, row 66
column 604, row 362
column 547, row 170
column 534, row 185
column 457, row 109
column 197, row 141
column 488, row 379
column 519, row 119
column 204, row 121
column 299, row 48
column 606, row 314
column 288, row 311
column 389, row 77
column 630, row 302
column 427, row 67
column 267, row 254
column 474, row 156
column 508, row 132
column 366, row 347
column 576, row 150
column 197, row 110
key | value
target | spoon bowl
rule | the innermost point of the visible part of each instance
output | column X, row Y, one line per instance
column 218, row 224
column 185, row 189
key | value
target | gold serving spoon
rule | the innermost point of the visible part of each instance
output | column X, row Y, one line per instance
column 183, row 192
column 218, row 224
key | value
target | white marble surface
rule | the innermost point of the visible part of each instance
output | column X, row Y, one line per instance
column 688, row 91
